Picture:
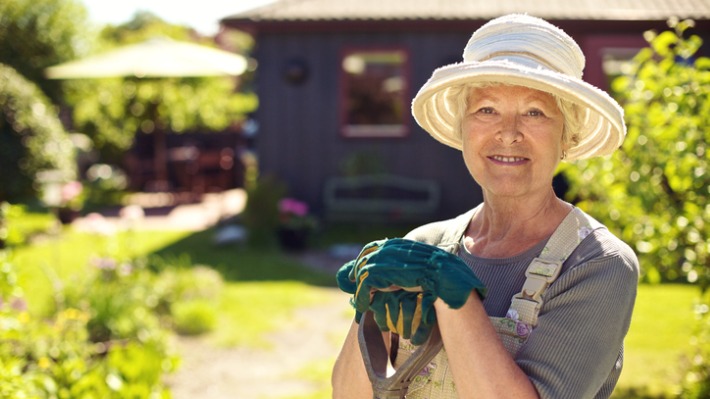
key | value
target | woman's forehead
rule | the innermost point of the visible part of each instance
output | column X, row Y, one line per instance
column 507, row 92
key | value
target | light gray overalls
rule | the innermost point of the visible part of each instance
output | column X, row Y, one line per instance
column 423, row 372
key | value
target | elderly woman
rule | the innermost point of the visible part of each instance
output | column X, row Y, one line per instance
column 516, row 107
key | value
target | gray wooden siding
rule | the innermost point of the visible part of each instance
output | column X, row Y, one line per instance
column 299, row 138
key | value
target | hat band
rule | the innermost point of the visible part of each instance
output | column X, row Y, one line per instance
column 523, row 54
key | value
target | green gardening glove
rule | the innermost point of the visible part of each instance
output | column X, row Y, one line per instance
column 409, row 314
column 413, row 265
column 347, row 273
column 425, row 272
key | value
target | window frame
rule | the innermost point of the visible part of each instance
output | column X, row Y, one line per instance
column 354, row 131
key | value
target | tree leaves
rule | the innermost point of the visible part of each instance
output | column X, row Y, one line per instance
column 656, row 198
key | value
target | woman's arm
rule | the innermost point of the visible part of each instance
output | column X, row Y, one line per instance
column 572, row 353
column 480, row 365
column 349, row 377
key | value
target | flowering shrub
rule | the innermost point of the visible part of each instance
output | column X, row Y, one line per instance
column 109, row 338
column 293, row 215
column 67, row 356
column 71, row 195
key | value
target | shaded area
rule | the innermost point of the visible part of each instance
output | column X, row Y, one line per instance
column 240, row 263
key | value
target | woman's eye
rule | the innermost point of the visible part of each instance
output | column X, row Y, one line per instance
column 486, row 110
column 535, row 112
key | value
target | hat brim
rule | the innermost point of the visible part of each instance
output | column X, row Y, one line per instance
column 602, row 129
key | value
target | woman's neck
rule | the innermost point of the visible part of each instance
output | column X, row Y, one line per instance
column 504, row 228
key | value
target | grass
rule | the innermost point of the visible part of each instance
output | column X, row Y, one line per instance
column 317, row 373
column 61, row 258
column 658, row 341
column 248, row 310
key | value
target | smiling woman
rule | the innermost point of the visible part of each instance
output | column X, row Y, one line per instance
column 515, row 107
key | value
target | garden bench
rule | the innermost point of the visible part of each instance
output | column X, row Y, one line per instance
column 384, row 198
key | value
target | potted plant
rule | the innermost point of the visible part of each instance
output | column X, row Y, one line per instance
column 295, row 224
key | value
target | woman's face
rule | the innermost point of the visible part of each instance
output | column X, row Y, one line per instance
column 512, row 140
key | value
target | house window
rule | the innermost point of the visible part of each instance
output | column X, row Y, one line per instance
column 374, row 93
column 618, row 61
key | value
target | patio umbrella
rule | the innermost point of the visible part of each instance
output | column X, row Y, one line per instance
column 154, row 58
column 157, row 57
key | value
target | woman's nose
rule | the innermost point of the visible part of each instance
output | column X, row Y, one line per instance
column 509, row 131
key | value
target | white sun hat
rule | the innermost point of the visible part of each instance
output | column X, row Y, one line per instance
column 526, row 51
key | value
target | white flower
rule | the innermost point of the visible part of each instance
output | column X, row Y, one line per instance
column 583, row 232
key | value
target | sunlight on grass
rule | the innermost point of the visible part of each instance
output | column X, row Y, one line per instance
column 250, row 310
column 67, row 256
column 318, row 373
column 658, row 340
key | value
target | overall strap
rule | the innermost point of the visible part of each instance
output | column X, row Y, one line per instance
column 544, row 269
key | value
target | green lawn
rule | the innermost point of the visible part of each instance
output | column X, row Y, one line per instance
column 658, row 341
column 267, row 282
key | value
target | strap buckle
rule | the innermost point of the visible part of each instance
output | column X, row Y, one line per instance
column 539, row 275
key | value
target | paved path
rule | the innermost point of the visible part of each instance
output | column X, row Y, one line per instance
column 162, row 215
column 313, row 336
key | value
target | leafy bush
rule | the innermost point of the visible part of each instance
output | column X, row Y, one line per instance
column 109, row 337
column 190, row 297
column 194, row 317
column 261, row 216
column 32, row 138
column 655, row 191
column 56, row 358
column 198, row 282
column 697, row 379
column 119, row 300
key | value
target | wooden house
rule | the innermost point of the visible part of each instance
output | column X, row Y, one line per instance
column 335, row 79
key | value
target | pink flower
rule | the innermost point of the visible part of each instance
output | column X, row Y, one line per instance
column 18, row 304
column 522, row 329
column 71, row 190
column 293, row 206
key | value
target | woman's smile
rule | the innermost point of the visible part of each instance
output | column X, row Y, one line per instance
column 508, row 160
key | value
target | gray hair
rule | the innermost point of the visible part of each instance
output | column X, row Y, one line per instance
column 571, row 112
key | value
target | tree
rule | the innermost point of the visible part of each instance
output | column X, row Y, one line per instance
column 35, row 34
column 654, row 191
column 32, row 139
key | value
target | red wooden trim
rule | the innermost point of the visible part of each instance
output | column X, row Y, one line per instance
column 593, row 47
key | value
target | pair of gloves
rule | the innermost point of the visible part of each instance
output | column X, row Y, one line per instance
column 399, row 280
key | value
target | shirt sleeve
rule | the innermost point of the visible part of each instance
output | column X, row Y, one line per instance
column 575, row 349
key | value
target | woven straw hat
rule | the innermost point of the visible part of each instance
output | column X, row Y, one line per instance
column 526, row 51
